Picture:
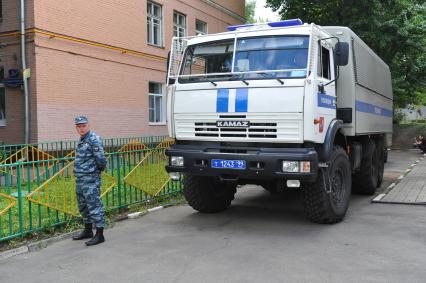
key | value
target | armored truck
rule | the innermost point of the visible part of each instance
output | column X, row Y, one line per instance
column 281, row 105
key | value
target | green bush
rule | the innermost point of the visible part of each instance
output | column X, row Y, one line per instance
column 398, row 116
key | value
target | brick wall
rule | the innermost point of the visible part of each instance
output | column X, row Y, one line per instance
column 13, row 132
column 11, row 14
column 70, row 78
column 236, row 6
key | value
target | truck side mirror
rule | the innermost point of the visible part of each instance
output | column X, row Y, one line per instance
column 341, row 53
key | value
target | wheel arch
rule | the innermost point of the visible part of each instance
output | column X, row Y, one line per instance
column 334, row 136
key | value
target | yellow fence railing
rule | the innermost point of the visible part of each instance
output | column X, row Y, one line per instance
column 11, row 203
column 29, row 153
column 37, row 189
column 149, row 175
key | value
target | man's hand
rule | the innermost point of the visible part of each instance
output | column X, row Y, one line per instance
column 101, row 167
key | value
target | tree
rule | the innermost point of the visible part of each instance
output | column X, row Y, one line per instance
column 250, row 11
column 394, row 29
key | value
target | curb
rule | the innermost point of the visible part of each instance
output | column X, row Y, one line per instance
column 32, row 247
column 379, row 197
column 36, row 246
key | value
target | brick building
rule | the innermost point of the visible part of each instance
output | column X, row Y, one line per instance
column 102, row 58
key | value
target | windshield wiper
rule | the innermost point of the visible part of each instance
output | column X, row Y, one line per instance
column 212, row 82
column 267, row 75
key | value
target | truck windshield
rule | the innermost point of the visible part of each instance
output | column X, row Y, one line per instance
column 254, row 58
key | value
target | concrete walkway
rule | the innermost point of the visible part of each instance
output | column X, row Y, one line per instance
column 260, row 238
column 410, row 188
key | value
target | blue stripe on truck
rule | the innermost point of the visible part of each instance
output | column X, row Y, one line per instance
column 241, row 100
column 372, row 109
column 326, row 101
column 222, row 100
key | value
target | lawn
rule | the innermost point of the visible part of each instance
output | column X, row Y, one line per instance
column 50, row 199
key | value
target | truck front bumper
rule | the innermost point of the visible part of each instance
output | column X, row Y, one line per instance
column 261, row 163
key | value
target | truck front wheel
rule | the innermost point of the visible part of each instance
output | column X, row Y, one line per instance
column 327, row 199
column 208, row 194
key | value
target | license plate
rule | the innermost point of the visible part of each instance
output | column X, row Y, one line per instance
column 229, row 164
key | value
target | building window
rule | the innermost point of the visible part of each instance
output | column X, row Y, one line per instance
column 2, row 106
column 156, row 103
column 200, row 27
column 179, row 24
column 155, row 24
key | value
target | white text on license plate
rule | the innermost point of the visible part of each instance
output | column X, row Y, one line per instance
column 230, row 164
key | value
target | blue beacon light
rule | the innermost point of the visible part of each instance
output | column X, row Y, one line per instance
column 286, row 23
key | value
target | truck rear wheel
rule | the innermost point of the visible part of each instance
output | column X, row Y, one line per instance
column 381, row 162
column 326, row 201
column 367, row 178
column 208, row 194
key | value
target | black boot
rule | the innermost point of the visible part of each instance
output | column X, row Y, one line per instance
column 87, row 233
column 99, row 238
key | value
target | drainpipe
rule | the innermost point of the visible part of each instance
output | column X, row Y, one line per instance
column 25, row 77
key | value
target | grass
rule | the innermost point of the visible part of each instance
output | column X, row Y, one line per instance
column 140, row 187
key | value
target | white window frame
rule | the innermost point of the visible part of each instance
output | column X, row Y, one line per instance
column 151, row 23
column 200, row 32
column 162, row 105
column 3, row 115
column 320, row 73
column 178, row 26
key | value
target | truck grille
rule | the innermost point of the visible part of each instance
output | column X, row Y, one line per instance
column 256, row 130
column 282, row 127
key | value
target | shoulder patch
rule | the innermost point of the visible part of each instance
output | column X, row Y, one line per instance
column 95, row 148
column 94, row 139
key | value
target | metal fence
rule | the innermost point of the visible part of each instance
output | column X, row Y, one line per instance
column 37, row 182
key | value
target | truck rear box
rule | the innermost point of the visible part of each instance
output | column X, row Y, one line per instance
column 364, row 89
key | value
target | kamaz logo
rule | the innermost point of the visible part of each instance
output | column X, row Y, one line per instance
column 232, row 124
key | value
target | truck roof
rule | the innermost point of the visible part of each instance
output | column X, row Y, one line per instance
column 272, row 28
column 346, row 30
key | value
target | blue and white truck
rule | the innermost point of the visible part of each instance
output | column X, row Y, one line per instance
column 281, row 104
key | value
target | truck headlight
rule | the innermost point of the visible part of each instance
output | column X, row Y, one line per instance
column 176, row 161
column 296, row 166
column 291, row 166
column 305, row 166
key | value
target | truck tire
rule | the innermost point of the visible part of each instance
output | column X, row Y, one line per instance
column 207, row 194
column 327, row 199
column 367, row 178
column 381, row 166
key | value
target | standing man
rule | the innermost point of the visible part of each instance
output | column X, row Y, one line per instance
column 89, row 162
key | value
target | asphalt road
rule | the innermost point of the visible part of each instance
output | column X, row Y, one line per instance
column 261, row 238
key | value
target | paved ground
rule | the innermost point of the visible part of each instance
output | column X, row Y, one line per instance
column 411, row 189
column 261, row 238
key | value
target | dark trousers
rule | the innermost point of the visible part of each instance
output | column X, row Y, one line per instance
column 422, row 146
column 89, row 199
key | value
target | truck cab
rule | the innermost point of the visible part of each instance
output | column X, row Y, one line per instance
column 258, row 105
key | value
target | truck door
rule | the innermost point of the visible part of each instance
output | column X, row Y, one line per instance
column 326, row 95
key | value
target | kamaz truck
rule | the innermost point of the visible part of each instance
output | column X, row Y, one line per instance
column 281, row 105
